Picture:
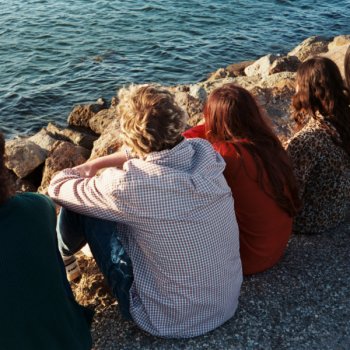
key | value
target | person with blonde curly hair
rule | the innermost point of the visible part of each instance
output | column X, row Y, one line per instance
column 158, row 220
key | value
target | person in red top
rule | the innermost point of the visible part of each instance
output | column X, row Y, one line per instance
column 257, row 170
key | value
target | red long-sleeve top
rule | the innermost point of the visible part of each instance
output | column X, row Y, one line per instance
column 264, row 228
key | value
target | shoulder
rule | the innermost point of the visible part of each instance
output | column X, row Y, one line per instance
column 310, row 138
column 34, row 201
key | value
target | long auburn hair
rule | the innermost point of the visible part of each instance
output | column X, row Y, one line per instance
column 233, row 115
column 347, row 67
column 4, row 187
column 321, row 94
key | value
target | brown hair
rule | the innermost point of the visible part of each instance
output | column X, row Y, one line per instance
column 233, row 115
column 322, row 95
column 151, row 121
column 347, row 67
column 4, row 187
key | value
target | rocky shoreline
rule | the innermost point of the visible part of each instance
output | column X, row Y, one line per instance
column 92, row 130
column 314, row 315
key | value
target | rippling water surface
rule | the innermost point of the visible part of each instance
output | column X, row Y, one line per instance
column 55, row 54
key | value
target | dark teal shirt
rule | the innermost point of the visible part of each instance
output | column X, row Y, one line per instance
column 36, row 311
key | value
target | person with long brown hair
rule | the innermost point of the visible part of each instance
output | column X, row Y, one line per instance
column 320, row 150
column 38, row 308
column 258, row 172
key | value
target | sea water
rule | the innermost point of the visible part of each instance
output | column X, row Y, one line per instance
column 56, row 54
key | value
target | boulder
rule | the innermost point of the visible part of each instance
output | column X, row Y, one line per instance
column 261, row 67
column 18, row 185
column 310, row 47
column 337, row 50
column 81, row 114
column 278, row 80
column 78, row 135
column 64, row 155
column 284, row 64
column 191, row 99
column 340, row 40
column 108, row 143
column 276, row 102
column 220, row 74
column 237, row 69
column 101, row 120
column 23, row 156
column 44, row 139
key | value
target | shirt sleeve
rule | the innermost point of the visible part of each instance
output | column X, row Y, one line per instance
column 95, row 196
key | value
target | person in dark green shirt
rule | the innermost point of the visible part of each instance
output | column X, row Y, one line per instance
column 38, row 308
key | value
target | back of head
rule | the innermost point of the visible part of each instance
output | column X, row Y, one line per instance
column 321, row 94
column 347, row 67
column 233, row 115
column 319, row 88
column 4, row 187
column 151, row 121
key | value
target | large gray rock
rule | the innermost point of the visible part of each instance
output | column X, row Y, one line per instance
column 64, row 155
column 310, row 47
column 23, row 156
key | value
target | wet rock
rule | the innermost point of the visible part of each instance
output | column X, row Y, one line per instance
column 261, row 67
column 78, row 135
column 81, row 114
column 64, row 155
column 310, row 47
column 23, row 156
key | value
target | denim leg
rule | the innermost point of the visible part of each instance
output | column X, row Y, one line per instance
column 74, row 230
column 70, row 232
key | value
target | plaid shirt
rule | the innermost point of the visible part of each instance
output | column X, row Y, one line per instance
column 181, row 234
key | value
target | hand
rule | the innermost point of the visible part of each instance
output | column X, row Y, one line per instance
column 86, row 169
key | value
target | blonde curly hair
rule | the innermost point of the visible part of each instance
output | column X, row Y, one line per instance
column 150, row 119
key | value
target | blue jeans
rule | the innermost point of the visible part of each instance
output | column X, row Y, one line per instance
column 75, row 230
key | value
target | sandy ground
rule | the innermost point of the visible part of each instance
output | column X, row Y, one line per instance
column 302, row 303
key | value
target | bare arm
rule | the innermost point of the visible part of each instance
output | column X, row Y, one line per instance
column 90, row 168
